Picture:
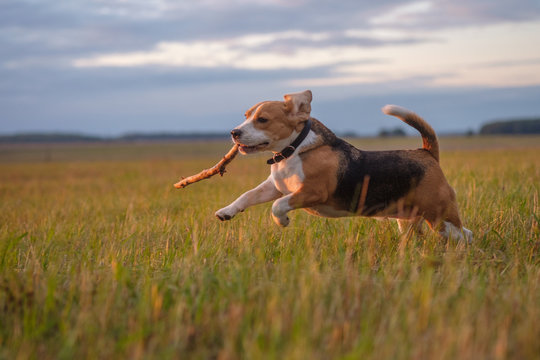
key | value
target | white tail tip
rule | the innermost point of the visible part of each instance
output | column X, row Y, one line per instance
column 395, row 110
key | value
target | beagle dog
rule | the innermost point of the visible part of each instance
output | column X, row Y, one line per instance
column 314, row 170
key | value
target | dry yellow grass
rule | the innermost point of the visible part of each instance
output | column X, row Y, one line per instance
column 100, row 257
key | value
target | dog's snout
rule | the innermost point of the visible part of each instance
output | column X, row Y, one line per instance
column 236, row 133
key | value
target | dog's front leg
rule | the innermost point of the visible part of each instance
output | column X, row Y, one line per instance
column 266, row 191
column 297, row 200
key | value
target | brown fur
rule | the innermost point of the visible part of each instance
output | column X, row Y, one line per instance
column 429, row 138
column 280, row 124
column 320, row 169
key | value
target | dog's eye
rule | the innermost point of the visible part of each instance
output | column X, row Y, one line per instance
column 262, row 120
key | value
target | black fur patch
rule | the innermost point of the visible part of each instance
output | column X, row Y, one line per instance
column 387, row 175
column 369, row 181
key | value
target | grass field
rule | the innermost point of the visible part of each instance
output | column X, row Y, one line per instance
column 100, row 257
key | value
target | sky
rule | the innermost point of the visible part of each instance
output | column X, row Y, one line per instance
column 111, row 67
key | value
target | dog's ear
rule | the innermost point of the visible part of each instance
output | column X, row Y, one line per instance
column 299, row 104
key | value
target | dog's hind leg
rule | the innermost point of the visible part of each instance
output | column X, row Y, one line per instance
column 449, row 230
column 451, row 226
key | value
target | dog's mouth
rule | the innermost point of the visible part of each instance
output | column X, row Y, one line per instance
column 248, row 149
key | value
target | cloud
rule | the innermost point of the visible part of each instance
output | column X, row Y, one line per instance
column 446, row 14
column 463, row 57
column 249, row 52
column 445, row 58
column 408, row 13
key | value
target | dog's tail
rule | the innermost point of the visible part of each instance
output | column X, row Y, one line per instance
column 430, row 142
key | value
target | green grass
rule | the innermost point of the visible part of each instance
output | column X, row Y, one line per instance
column 100, row 257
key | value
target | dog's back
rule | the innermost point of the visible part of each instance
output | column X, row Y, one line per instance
column 371, row 183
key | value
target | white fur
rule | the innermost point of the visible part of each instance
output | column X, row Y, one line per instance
column 286, row 178
column 451, row 231
column 251, row 136
column 266, row 191
column 396, row 110
column 288, row 175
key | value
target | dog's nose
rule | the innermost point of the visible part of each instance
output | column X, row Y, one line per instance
column 236, row 133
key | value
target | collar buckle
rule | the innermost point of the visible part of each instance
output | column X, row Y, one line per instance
column 276, row 158
column 289, row 150
column 285, row 153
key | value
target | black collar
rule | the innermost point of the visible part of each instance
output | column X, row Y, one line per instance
column 289, row 150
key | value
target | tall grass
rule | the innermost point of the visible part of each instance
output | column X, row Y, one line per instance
column 103, row 258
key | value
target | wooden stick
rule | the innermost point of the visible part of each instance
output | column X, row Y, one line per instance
column 205, row 174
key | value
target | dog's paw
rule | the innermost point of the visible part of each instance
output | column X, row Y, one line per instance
column 225, row 214
column 468, row 234
column 282, row 220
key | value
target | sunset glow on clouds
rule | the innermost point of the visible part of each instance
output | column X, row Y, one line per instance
column 498, row 55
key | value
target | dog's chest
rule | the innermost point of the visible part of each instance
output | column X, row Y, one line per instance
column 288, row 175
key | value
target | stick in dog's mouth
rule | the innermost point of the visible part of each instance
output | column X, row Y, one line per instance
column 207, row 173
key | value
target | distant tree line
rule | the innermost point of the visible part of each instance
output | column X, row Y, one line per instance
column 78, row 138
column 395, row 132
column 517, row 126
column 48, row 138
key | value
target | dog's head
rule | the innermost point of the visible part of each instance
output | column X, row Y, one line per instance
column 273, row 125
